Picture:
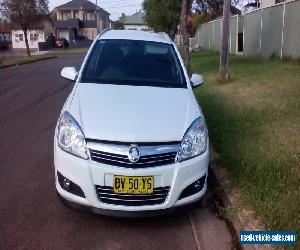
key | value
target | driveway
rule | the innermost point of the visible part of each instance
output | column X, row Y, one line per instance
column 31, row 215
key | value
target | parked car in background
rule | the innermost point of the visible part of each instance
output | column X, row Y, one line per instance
column 131, row 137
column 62, row 43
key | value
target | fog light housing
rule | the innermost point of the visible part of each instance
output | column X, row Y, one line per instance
column 69, row 186
column 193, row 188
column 67, row 183
column 198, row 185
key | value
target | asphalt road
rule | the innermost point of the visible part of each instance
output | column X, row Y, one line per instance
column 31, row 215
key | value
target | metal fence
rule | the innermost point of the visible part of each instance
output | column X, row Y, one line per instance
column 208, row 35
column 263, row 32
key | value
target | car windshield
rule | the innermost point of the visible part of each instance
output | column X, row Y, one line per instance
column 132, row 62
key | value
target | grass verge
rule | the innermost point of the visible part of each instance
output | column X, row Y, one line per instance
column 22, row 60
column 25, row 59
column 67, row 51
column 254, row 123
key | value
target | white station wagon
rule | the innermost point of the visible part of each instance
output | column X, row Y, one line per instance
column 131, row 138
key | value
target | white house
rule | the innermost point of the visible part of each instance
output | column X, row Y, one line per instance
column 256, row 4
column 269, row 3
column 135, row 22
column 34, row 37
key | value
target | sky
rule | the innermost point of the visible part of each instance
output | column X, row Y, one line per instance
column 114, row 7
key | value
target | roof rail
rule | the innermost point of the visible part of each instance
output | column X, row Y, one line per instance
column 165, row 35
column 103, row 32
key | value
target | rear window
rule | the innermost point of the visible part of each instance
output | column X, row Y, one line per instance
column 131, row 62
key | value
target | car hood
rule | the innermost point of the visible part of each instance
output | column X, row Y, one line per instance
column 133, row 113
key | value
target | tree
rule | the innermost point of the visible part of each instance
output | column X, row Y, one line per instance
column 184, row 32
column 223, row 70
column 212, row 7
column 25, row 15
column 163, row 16
column 118, row 25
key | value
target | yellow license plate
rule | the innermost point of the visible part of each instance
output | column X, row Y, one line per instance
column 133, row 184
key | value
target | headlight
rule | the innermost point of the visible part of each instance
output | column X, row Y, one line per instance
column 194, row 141
column 70, row 136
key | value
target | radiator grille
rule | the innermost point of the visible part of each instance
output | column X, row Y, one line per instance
column 123, row 161
column 106, row 195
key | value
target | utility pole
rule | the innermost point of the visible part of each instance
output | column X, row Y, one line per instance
column 224, row 70
column 184, row 33
column 96, row 18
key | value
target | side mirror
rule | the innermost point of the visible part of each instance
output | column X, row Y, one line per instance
column 196, row 80
column 69, row 73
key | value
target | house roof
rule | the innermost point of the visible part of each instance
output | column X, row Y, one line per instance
column 79, row 4
column 137, row 18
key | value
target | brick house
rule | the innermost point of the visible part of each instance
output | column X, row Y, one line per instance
column 79, row 19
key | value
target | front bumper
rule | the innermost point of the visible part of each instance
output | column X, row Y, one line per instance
column 87, row 174
column 119, row 213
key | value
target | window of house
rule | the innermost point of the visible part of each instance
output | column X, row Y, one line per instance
column 90, row 16
column 66, row 15
column 34, row 37
column 76, row 14
column 19, row 37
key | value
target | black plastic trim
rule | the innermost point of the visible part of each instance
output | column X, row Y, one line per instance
column 190, row 189
column 146, row 161
column 130, row 143
column 74, row 188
